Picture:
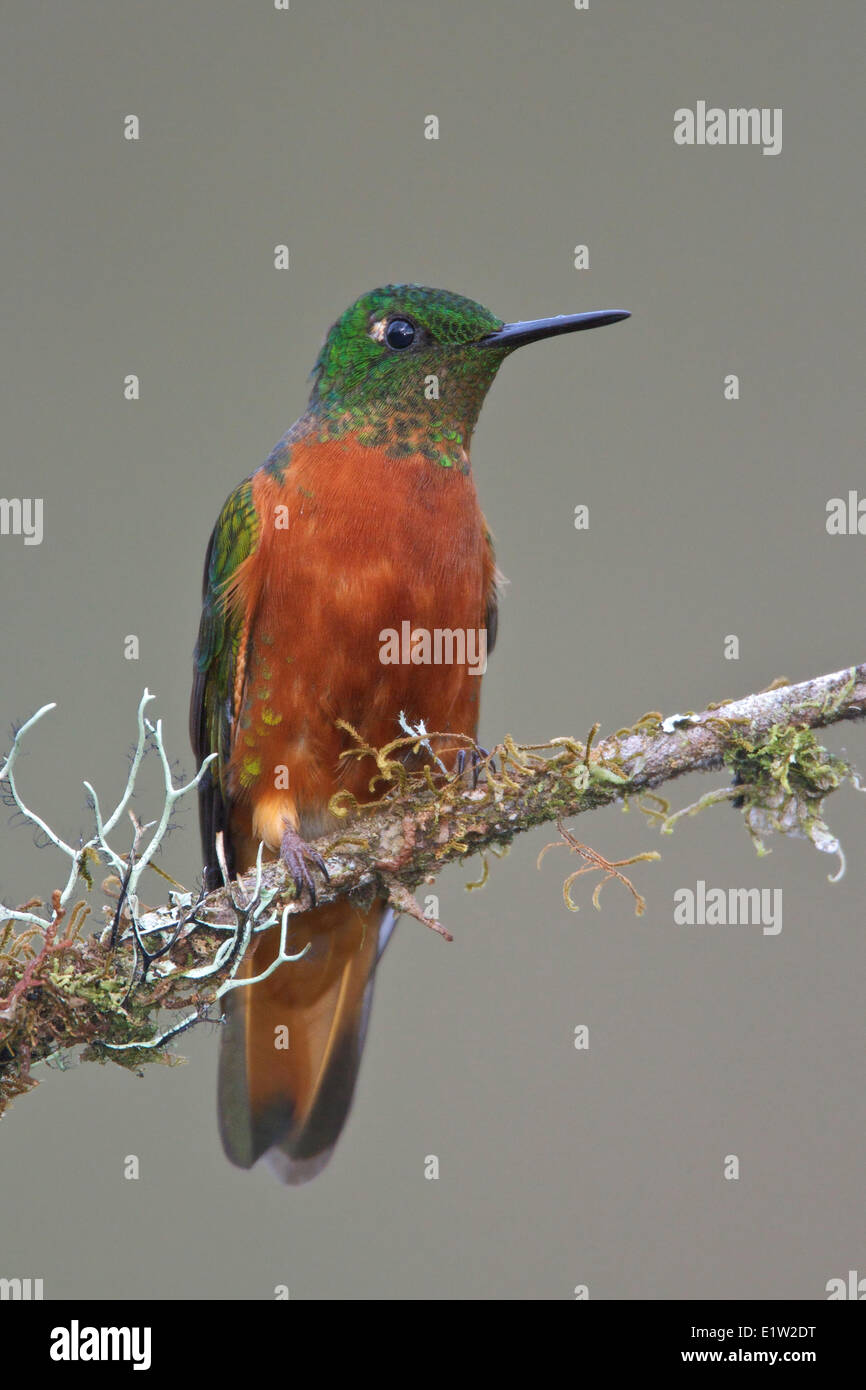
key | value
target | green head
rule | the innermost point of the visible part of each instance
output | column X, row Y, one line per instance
column 407, row 368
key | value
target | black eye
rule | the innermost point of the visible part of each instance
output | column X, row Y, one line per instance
column 400, row 333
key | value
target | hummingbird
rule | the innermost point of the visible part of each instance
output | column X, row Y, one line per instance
column 364, row 517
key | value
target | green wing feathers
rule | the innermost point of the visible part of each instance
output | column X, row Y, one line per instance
column 217, row 653
column 491, row 615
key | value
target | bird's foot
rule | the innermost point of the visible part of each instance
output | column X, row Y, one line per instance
column 477, row 758
column 297, row 856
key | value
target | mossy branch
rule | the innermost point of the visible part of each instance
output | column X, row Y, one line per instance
column 60, row 988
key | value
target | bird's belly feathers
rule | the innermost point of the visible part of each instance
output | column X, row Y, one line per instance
column 354, row 547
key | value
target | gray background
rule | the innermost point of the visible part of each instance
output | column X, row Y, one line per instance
column 707, row 517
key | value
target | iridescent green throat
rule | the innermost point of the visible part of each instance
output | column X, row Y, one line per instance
column 432, row 412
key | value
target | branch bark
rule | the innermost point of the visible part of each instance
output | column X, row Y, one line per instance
column 106, row 990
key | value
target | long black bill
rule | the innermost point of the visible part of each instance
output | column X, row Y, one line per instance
column 514, row 335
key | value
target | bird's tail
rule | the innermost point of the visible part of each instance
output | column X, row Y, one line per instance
column 292, row 1043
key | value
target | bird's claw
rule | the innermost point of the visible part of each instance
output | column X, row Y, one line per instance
column 297, row 855
column 477, row 756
